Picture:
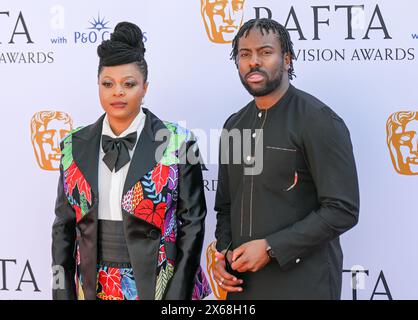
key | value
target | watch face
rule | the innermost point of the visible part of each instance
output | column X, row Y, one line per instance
column 271, row 253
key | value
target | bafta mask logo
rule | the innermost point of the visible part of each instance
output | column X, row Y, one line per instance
column 48, row 128
column 402, row 140
column 219, row 293
column 222, row 18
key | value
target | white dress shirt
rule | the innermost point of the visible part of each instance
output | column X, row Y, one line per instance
column 110, row 182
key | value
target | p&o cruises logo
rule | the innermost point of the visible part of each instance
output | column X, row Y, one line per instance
column 98, row 31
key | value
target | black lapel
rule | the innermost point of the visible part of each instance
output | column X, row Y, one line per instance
column 145, row 157
column 86, row 144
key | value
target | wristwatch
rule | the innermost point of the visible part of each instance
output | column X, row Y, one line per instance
column 271, row 253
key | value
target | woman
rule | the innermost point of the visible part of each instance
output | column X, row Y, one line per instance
column 130, row 211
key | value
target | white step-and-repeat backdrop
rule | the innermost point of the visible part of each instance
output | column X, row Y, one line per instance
column 359, row 57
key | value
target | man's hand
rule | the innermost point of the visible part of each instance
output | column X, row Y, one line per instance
column 250, row 256
column 227, row 281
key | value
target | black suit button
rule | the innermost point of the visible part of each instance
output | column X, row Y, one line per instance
column 153, row 234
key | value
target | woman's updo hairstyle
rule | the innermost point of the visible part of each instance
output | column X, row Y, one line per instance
column 126, row 45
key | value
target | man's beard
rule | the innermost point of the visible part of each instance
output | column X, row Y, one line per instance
column 269, row 87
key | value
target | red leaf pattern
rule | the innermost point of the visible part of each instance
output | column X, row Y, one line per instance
column 78, row 213
column 110, row 282
column 74, row 177
column 154, row 215
column 160, row 176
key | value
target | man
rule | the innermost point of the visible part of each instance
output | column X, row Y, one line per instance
column 222, row 18
column 48, row 128
column 284, row 223
column 402, row 140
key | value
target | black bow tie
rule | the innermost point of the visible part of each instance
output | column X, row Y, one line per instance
column 116, row 149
